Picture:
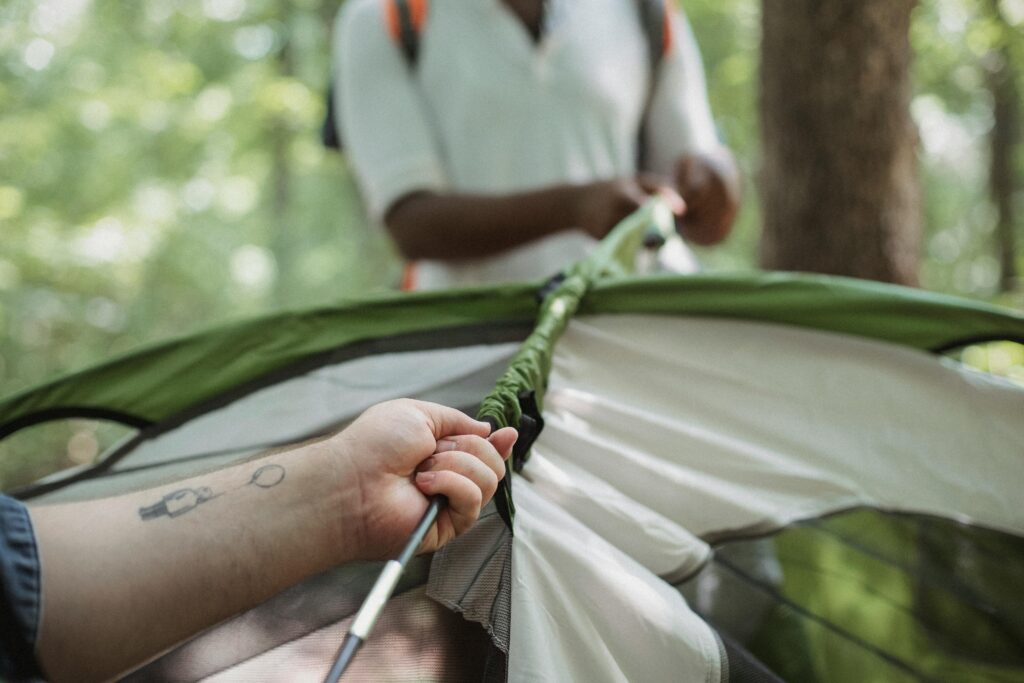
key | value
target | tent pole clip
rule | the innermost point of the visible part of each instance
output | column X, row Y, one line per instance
column 530, row 426
column 550, row 286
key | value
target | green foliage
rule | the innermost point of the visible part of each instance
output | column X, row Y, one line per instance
column 161, row 172
column 160, row 168
column 956, row 44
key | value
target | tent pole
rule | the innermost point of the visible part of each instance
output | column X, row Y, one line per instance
column 378, row 596
column 614, row 256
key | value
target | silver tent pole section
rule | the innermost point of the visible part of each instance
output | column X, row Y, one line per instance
column 378, row 596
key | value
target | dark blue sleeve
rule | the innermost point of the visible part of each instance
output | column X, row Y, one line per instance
column 19, row 591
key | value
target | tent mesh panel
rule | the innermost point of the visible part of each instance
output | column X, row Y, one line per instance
column 868, row 595
column 415, row 639
column 294, row 636
column 473, row 576
column 740, row 666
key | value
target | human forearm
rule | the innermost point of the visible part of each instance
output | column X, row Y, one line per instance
column 146, row 570
column 458, row 226
column 124, row 578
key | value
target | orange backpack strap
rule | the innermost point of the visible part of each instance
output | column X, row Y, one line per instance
column 405, row 20
column 409, row 279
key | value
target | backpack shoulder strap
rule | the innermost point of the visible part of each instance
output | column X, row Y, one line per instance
column 657, row 28
column 405, row 20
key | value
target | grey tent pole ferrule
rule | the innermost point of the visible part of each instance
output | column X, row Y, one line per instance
column 375, row 601
column 382, row 589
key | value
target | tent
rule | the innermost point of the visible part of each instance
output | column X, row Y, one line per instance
column 733, row 478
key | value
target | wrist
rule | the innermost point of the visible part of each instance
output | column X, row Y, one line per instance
column 329, row 493
column 573, row 204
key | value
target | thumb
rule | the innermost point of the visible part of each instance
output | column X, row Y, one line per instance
column 446, row 421
column 656, row 185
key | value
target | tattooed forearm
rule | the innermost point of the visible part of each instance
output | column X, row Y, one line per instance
column 185, row 500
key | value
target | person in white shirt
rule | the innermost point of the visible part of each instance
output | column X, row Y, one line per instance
column 514, row 141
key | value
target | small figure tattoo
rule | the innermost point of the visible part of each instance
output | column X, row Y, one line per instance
column 177, row 503
column 185, row 500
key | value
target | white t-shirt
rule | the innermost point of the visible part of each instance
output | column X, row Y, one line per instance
column 486, row 109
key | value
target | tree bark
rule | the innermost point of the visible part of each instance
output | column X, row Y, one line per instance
column 839, row 177
column 1003, row 140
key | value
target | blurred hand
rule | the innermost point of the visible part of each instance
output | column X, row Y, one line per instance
column 710, row 185
column 396, row 455
column 601, row 205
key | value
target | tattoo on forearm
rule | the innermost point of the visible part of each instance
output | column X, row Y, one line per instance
column 267, row 476
column 181, row 501
column 177, row 503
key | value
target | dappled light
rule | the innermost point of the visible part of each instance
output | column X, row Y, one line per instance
column 1003, row 359
column 41, row 450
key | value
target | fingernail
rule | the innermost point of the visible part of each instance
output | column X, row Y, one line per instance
column 445, row 445
column 425, row 477
column 427, row 464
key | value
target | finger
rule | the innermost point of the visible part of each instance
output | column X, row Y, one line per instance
column 464, row 497
column 503, row 440
column 477, row 446
column 469, row 466
column 656, row 185
column 692, row 175
column 446, row 421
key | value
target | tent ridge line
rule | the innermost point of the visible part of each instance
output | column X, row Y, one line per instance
column 480, row 334
column 77, row 412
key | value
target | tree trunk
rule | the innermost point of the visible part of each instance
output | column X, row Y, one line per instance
column 839, row 178
column 1006, row 122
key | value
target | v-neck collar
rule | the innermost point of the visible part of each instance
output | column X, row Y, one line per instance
column 544, row 29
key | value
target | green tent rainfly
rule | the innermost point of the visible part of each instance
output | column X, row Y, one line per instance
column 737, row 475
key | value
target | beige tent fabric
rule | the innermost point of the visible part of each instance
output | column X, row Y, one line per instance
column 583, row 610
column 725, row 425
column 661, row 430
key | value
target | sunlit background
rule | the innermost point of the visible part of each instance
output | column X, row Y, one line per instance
column 161, row 170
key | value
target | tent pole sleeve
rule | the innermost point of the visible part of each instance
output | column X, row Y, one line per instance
column 529, row 369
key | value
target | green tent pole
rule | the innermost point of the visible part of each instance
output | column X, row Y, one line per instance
column 528, row 371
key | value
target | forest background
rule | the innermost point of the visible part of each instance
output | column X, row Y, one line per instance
column 161, row 170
